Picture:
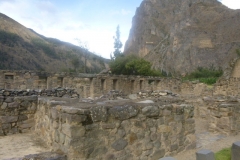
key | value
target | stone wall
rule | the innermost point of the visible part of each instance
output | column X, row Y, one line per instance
column 17, row 114
column 125, row 130
column 226, row 87
column 88, row 85
column 221, row 112
column 17, row 108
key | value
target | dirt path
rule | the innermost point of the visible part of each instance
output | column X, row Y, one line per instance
column 19, row 145
column 206, row 140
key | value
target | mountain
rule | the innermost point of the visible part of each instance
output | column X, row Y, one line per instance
column 178, row 36
column 23, row 49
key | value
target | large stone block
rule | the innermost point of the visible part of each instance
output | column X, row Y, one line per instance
column 236, row 150
column 158, row 154
column 123, row 112
column 99, row 113
column 4, row 105
column 150, row 111
column 205, row 154
column 13, row 105
column 8, row 119
column 71, row 110
column 75, row 118
column 9, row 100
column 73, row 131
column 119, row 144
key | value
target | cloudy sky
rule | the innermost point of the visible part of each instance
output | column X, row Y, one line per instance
column 92, row 22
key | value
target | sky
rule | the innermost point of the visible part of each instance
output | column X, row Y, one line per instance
column 90, row 23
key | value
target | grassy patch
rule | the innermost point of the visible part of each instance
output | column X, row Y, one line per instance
column 205, row 75
column 224, row 154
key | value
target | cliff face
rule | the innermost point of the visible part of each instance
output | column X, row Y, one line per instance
column 178, row 36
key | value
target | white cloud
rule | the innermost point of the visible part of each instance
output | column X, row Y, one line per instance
column 122, row 12
column 233, row 4
column 48, row 19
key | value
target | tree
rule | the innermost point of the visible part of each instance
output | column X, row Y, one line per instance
column 117, row 43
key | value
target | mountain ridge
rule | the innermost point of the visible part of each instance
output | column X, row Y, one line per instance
column 23, row 48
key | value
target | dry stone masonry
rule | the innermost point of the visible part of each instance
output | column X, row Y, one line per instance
column 114, row 117
column 17, row 114
column 110, row 130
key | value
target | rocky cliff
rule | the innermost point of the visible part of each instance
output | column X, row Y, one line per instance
column 178, row 36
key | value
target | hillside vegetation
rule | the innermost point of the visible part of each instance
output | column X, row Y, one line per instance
column 23, row 49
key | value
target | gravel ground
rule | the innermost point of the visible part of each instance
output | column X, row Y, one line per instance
column 19, row 145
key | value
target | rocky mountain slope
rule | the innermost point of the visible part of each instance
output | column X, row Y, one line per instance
column 23, row 49
column 178, row 36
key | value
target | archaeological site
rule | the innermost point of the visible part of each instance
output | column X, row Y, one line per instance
column 90, row 116
column 56, row 104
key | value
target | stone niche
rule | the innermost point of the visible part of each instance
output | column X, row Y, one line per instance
column 116, row 129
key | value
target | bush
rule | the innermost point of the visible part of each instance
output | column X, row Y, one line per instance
column 205, row 75
column 132, row 65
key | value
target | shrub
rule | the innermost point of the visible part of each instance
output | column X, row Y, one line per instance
column 205, row 75
column 132, row 65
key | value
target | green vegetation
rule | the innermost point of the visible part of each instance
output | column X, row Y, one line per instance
column 8, row 38
column 205, row 75
column 238, row 52
column 45, row 47
column 117, row 44
column 224, row 154
column 132, row 65
column 129, row 64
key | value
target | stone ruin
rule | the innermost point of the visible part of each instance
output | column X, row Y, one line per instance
column 114, row 117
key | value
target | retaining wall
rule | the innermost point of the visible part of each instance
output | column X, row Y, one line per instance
column 123, row 131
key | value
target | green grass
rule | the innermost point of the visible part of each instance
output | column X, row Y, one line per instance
column 224, row 154
column 205, row 75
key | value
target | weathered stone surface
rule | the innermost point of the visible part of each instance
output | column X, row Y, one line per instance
column 4, row 105
column 75, row 118
column 158, row 154
column 99, row 113
column 205, row 155
column 54, row 113
column 123, row 112
column 167, row 158
column 73, row 131
column 71, row 110
column 8, row 119
column 46, row 156
column 22, row 118
column 108, row 125
column 13, row 105
column 9, row 99
column 235, row 150
column 119, row 144
column 26, row 125
column 132, row 96
column 25, row 104
column 150, row 111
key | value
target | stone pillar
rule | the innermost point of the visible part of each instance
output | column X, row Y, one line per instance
column 167, row 158
column 235, row 150
column 205, row 154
